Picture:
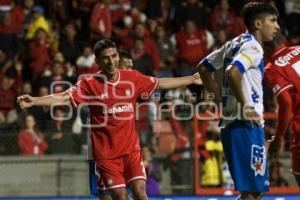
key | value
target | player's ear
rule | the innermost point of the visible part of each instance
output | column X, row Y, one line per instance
column 257, row 24
column 97, row 61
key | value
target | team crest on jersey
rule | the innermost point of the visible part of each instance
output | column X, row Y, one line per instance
column 258, row 160
column 103, row 96
column 128, row 92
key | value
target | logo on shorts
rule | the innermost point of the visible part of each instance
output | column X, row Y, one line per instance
column 267, row 183
column 258, row 160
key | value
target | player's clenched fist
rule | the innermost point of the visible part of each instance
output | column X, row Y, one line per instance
column 25, row 101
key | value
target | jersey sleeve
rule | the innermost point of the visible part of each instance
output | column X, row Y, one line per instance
column 215, row 60
column 78, row 93
column 249, row 55
column 145, row 85
column 275, row 81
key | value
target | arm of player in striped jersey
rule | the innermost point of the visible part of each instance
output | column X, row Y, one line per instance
column 209, row 83
column 234, row 77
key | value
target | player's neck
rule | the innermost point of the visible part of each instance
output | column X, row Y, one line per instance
column 258, row 37
column 112, row 77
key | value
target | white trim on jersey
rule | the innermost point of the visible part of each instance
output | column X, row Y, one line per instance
column 112, row 187
column 72, row 99
column 135, row 178
column 97, row 172
column 155, row 86
column 283, row 89
column 249, row 55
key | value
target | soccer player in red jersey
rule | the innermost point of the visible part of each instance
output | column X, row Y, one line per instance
column 111, row 95
column 282, row 74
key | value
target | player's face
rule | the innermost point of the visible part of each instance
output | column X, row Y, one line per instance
column 125, row 63
column 108, row 59
column 269, row 27
column 30, row 122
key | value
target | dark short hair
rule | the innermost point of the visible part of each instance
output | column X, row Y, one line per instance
column 124, row 54
column 103, row 44
column 254, row 10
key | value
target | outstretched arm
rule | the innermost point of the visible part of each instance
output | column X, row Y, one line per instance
column 170, row 83
column 26, row 101
column 209, row 83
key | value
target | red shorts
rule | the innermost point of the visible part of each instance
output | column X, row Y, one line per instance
column 295, row 147
column 119, row 172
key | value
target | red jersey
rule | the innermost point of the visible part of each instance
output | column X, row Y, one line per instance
column 29, row 146
column 283, row 73
column 191, row 47
column 100, row 21
column 111, row 107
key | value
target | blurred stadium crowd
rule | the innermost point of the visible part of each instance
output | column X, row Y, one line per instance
column 46, row 45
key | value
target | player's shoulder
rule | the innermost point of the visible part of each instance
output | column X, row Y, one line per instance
column 272, row 72
column 295, row 48
column 91, row 79
column 241, row 39
column 286, row 56
column 253, row 46
column 245, row 42
column 95, row 77
column 86, row 78
column 128, row 72
column 293, row 51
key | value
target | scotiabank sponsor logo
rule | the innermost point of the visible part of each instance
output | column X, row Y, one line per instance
column 118, row 109
column 285, row 60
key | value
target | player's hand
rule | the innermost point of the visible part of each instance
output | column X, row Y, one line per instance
column 25, row 101
column 276, row 148
column 250, row 114
column 198, row 80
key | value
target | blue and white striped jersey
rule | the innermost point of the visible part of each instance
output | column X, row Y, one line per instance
column 246, row 53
